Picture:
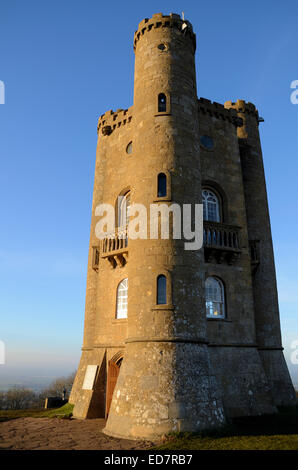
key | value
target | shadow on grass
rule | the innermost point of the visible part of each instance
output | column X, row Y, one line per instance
column 283, row 423
column 267, row 432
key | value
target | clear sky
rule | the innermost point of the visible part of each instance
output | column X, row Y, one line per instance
column 63, row 64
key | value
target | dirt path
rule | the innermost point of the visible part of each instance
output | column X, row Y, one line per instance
column 54, row 433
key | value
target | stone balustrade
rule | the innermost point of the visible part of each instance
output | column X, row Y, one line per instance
column 114, row 247
column 221, row 242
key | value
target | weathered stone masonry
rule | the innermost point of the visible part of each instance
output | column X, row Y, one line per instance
column 181, row 369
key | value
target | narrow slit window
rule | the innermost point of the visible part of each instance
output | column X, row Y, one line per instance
column 161, row 185
column 161, row 290
column 162, row 103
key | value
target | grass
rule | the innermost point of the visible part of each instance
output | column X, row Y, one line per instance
column 271, row 432
column 64, row 412
column 276, row 442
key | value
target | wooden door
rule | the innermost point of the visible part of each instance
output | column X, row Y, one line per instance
column 113, row 372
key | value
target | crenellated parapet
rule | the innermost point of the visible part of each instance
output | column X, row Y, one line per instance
column 242, row 106
column 250, row 117
column 112, row 120
column 178, row 340
column 165, row 21
column 219, row 111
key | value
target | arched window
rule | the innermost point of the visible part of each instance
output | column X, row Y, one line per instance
column 123, row 209
column 211, row 208
column 162, row 103
column 215, row 298
column 161, row 290
column 121, row 309
column 161, row 185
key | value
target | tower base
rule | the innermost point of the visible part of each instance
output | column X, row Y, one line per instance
column 242, row 380
column 282, row 390
column 164, row 387
column 89, row 403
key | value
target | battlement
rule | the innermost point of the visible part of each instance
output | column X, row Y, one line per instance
column 112, row 120
column 146, row 319
column 165, row 21
column 242, row 107
column 219, row 111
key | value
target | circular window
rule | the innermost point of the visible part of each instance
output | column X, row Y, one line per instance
column 129, row 148
column 207, row 142
column 162, row 47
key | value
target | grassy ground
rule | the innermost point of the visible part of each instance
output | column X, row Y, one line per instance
column 63, row 412
column 276, row 432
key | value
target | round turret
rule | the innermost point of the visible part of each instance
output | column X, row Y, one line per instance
column 158, row 390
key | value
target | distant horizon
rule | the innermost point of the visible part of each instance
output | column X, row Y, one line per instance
column 37, row 386
column 36, row 383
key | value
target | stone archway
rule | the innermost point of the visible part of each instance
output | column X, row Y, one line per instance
column 113, row 371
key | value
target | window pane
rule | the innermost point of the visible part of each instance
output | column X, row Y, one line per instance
column 207, row 142
column 162, row 103
column 124, row 206
column 210, row 206
column 214, row 296
column 162, row 185
column 161, row 290
column 122, row 292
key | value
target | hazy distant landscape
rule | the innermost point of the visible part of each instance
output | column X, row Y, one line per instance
column 36, row 383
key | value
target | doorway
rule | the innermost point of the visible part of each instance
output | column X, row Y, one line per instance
column 113, row 372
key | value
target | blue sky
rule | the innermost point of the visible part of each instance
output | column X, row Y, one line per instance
column 63, row 64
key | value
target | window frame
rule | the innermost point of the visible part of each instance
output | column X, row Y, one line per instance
column 160, row 104
column 117, row 300
column 164, row 183
column 158, row 287
column 207, row 149
column 167, row 111
column 168, row 197
column 168, row 305
column 118, row 209
column 222, row 302
column 219, row 204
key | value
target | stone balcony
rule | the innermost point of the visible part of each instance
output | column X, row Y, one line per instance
column 221, row 242
column 114, row 247
column 221, row 245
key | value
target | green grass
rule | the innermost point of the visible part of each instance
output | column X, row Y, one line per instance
column 271, row 432
column 275, row 442
column 64, row 412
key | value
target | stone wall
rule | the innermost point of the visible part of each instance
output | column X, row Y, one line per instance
column 180, row 370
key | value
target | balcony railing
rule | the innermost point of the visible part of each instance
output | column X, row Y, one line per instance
column 115, row 241
column 114, row 247
column 221, row 242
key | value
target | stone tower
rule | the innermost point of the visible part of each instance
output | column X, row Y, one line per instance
column 180, row 340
